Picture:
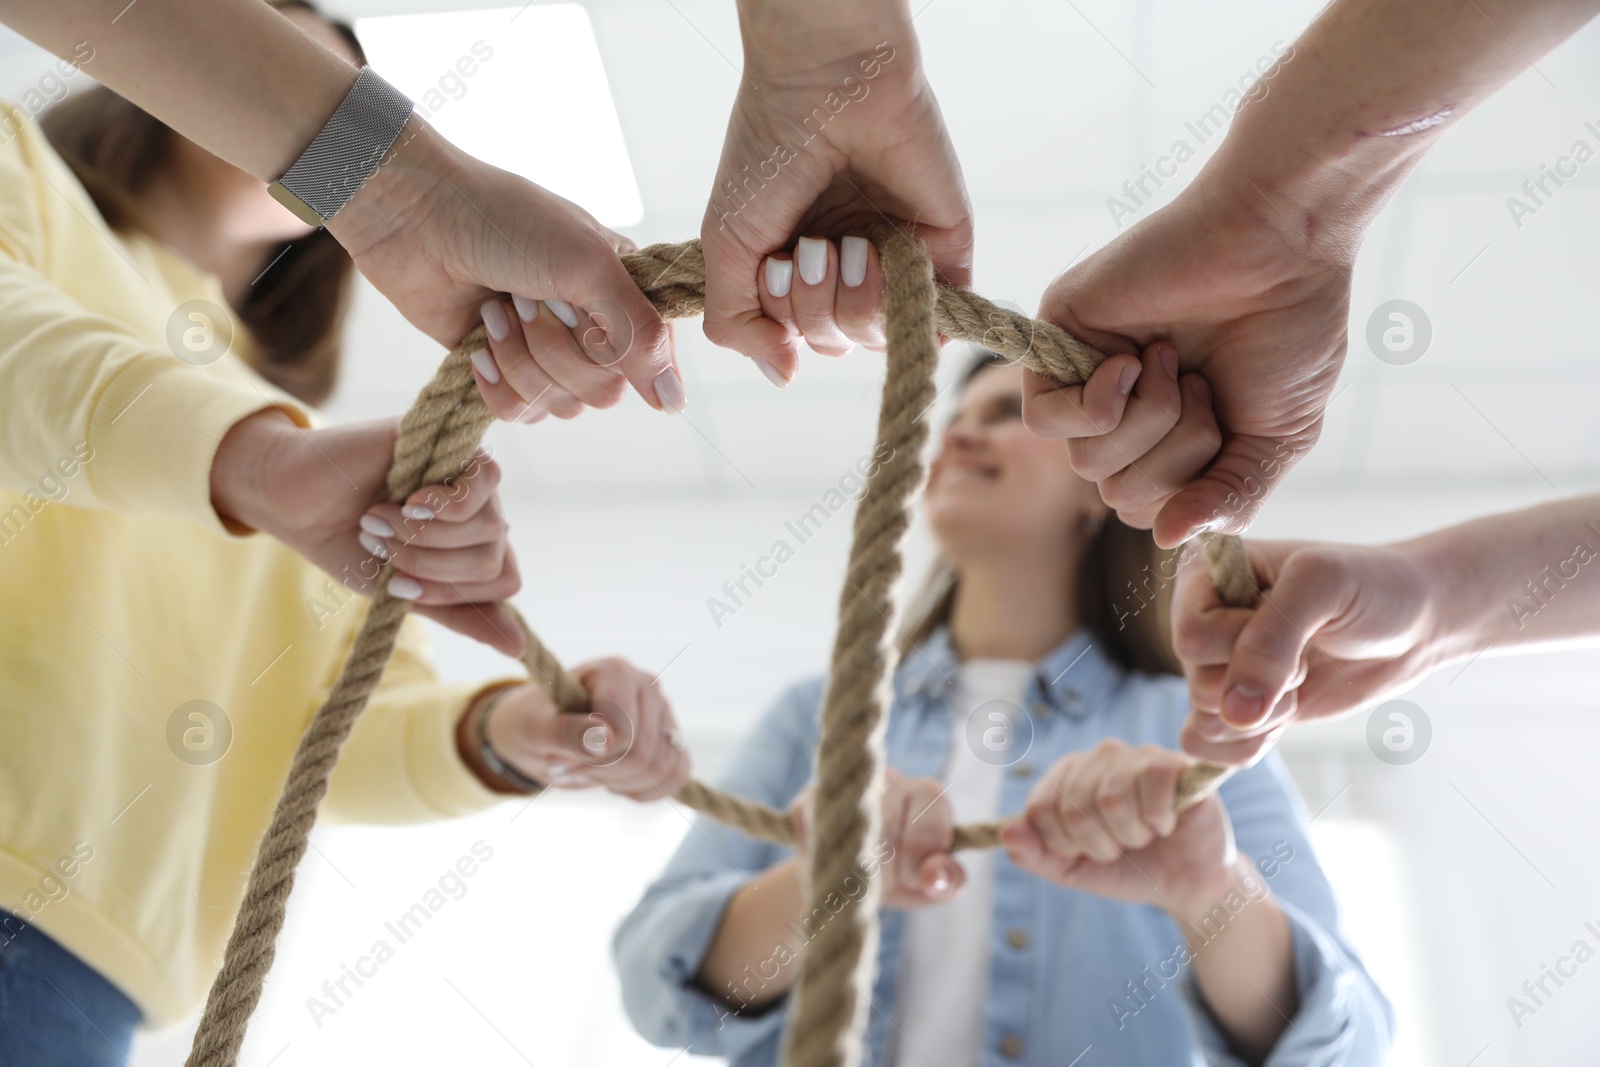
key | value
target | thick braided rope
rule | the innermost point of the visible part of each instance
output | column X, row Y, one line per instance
column 437, row 440
column 829, row 1015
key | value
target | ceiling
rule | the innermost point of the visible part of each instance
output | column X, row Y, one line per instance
column 1052, row 107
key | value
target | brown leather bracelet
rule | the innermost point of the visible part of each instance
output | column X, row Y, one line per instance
column 472, row 743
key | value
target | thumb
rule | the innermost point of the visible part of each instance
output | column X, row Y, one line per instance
column 619, row 328
column 1308, row 594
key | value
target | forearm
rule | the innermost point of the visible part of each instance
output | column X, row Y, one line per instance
column 1369, row 88
column 751, row 960
column 1243, row 963
column 250, row 88
column 1521, row 580
column 234, row 76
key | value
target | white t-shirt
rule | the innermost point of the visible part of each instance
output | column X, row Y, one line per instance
column 944, row 955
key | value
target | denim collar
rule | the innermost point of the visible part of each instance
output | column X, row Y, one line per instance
column 1076, row 676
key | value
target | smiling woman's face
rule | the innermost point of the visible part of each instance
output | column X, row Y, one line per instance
column 994, row 487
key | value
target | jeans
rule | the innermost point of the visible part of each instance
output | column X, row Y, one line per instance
column 56, row 1010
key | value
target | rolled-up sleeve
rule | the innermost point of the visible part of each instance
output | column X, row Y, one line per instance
column 1344, row 1020
column 660, row 946
column 83, row 389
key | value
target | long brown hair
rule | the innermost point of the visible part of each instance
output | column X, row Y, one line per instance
column 1124, row 587
column 295, row 309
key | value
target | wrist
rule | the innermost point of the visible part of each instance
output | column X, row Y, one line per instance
column 829, row 39
column 476, row 746
column 416, row 166
column 240, row 470
column 1237, row 887
column 1460, row 618
column 1308, row 174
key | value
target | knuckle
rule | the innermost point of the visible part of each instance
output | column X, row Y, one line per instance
column 1318, row 565
column 484, row 566
column 1040, row 418
column 1264, row 643
column 610, row 392
column 1111, row 796
column 1191, row 636
column 565, row 406
column 1093, row 460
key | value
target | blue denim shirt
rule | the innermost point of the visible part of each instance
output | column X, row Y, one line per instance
column 1073, row 979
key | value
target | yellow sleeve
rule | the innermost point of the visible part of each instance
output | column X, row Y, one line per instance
column 400, row 764
column 80, row 388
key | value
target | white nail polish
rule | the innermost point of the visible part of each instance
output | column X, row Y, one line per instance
column 375, row 525
column 482, row 360
column 405, row 588
column 373, row 545
column 812, row 255
column 669, row 390
column 774, row 375
column 417, row 512
column 563, row 311
column 853, row 261
column 494, row 319
column 527, row 310
column 780, row 275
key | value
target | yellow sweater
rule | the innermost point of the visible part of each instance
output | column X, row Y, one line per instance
column 128, row 817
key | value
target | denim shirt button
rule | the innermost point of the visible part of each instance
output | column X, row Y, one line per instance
column 1017, row 938
column 1022, row 770
column 1039, row 709
column 1011, row 1046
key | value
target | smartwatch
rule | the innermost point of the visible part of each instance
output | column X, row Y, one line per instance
column 346, row 152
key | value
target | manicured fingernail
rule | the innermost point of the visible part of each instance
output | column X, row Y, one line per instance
column 812, row 255
column 494, row 319
column 527, row 310
column 373, row 545
column 853, row 261
column 559, row 770
column 669, row 390
column 1242, row 703
column 774, row 375
column 417, row 511
column 780, row 274
column 484, row 362
column 405, row 588
column 1130, row 374
column 563, row 311
column 940, row 884
column 375, row 525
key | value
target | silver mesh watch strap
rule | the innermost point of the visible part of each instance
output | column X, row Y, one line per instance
column 346, row 152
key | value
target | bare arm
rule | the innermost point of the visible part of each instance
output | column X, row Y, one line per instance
column 757, row 936
column 436, row 231
column 1247, row 271
column 1243, row 962
column 1344, row 626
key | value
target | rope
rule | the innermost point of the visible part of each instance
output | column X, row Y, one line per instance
column 437, row 440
